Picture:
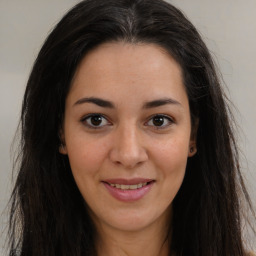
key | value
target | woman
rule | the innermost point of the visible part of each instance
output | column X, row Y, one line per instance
column 127, row 143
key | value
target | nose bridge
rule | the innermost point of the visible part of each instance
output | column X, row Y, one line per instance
column 127, row 147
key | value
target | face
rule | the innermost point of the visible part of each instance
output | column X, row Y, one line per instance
column 127, row 134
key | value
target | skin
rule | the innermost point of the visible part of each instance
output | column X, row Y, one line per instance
column 127, row 143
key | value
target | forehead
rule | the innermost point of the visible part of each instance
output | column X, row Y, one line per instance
column 121, row 57
column 143, row 69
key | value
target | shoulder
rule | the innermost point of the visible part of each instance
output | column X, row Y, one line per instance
column 251, row 254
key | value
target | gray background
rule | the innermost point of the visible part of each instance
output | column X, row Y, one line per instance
column 227, row 26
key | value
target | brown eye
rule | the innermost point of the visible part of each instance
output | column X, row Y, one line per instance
column 160, row 121
column 95, row 121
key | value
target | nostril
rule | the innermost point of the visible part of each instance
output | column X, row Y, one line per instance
column 127, row 155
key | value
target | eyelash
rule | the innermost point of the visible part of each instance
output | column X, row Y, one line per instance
column 85, row 119
column 165, row 117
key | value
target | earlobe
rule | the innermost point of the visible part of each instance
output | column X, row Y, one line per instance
column 192, row 149
column 63, row 149
column 62, row 146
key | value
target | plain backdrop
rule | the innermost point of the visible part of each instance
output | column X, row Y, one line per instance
column 227, row 26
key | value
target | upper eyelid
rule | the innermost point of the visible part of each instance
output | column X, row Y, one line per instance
column 163, row 115
column 171, row 121
column 170, row 118
column 93, row 114
column 103, row 115
column 86, row 117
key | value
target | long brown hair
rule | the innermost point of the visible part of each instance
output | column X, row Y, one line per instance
column 48, row 216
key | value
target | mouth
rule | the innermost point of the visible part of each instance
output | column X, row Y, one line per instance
column 129, row 187
column 128, row 190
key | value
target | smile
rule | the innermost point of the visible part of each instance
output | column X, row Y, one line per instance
column 128, row 190
column 128, row 187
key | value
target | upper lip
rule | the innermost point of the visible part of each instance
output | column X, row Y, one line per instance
column 127, row 181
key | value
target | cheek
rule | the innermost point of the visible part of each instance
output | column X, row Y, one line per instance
column 170, row 161
column 172, row 153
column 85, row 160
column 85, row 156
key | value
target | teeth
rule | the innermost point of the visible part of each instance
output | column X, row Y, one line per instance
column 129, row 187
column 125, row 186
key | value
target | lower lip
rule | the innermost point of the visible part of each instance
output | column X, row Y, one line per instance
column 128, row 195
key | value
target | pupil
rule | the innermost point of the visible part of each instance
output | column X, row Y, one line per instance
column 158, row 121
column 96, row 120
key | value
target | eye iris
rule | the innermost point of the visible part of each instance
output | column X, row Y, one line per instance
column 158, row 120
column 96, row 120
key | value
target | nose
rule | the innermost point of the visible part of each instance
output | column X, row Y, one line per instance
column 127, row 148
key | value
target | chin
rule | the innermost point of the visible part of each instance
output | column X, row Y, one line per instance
column 133, row 220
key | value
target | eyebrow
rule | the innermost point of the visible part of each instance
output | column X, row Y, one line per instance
column 160, row 102
column 108, row 104
column 96, row 101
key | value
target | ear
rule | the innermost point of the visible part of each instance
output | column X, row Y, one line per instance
column 193, row 138
column 62, row 146
column 192, row 148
